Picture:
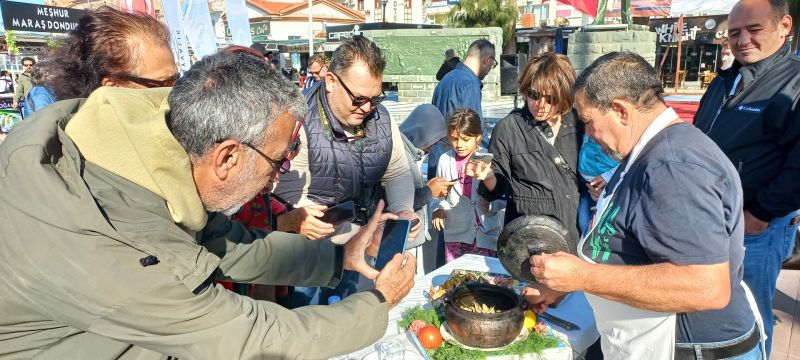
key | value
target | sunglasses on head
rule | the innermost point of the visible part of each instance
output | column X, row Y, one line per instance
column 150, row 83
column 535, row 96
column 359, row 101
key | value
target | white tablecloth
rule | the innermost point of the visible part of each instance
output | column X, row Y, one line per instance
column 573, row 308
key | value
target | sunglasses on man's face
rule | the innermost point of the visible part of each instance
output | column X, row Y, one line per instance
column 27, row 65
column 535, row 96
column 315, row 73
column 359, row 101
column 494, row 62
column 150, row 83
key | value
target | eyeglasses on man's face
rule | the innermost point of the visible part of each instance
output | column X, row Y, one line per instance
column 27, row 65
column 359, row 101
column 494, row 62
column 150, row 83
column 535, row 96
column 283, row 165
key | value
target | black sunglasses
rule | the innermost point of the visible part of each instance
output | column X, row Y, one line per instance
column 359, row 101
column 535, row 96
column 494, row 63
column 150, row 83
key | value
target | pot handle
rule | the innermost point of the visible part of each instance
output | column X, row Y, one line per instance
column 524, row 304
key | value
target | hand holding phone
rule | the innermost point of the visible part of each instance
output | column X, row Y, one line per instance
column 393, row 241
column 482, row 157
column 339, row 214
column 439, row 186
column 480, row 166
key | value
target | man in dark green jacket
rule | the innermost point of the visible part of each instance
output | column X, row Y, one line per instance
column 108, row 252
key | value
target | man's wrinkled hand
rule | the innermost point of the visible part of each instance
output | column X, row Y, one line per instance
column 560, row 271
column 356, row 247
column 396, row 279
column 305, row 221
column 753, row 225
column 439, row 186
column 540, row 297
column 410, row 216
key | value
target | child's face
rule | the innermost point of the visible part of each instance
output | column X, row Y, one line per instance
column 464, row 145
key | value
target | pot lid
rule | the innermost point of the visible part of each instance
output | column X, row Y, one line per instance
column 526, row 236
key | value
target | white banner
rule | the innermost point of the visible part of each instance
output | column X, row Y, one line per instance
column 197, row 26
column 172, row 15
column 236, row 13
column 709, row 7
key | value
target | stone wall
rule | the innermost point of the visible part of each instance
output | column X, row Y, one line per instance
column 586, row 46
column 414, row 55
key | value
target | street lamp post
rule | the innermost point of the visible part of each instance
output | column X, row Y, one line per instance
column 383, row 3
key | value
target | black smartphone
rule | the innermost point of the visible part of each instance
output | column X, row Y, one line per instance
column 339, row 214
column 393, row 241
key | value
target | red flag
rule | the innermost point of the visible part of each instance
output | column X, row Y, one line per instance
column 588, row 7
column 142, row 6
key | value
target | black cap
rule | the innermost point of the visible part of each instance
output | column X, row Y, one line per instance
column 260, row 48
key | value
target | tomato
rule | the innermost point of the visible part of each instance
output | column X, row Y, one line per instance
column 430, row 337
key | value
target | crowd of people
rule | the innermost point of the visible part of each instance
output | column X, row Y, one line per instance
column 150, row 215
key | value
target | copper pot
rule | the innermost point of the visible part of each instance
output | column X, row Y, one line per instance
column 484, row 330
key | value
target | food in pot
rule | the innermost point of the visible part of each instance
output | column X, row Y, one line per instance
column 478, row 308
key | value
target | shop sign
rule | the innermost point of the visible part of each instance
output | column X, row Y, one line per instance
column 258, row 30
column 339, row 32
column 39, row 18
column 700, row 29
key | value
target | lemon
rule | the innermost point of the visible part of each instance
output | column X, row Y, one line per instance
column 530, row 319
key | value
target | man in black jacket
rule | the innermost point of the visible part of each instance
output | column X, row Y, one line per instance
column 752, row 112
column 450, row 62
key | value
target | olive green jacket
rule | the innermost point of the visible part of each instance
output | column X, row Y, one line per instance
column 106, row 251
column 23, row 87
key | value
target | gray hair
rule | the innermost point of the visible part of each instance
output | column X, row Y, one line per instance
column 449, row 54
column 619, row 75
column 480, row 48
column 228, row 96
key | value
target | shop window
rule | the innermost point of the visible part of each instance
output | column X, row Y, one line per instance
column 407, row 12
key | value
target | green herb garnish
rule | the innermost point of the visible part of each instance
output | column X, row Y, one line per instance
column 535, row 343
